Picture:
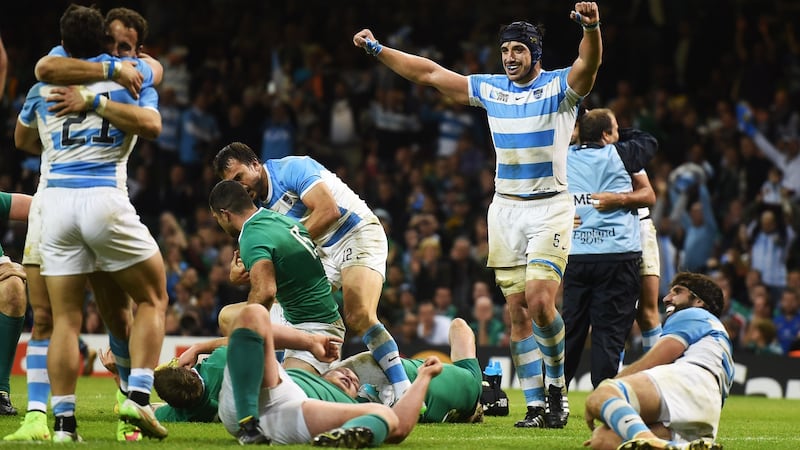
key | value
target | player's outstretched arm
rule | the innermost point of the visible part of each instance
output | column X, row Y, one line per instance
column 409, row 406
column 415, row 68
column 65, row 71
column 590, row 50
column 666, row 351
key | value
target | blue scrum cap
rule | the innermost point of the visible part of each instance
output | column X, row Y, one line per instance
column 525, row 33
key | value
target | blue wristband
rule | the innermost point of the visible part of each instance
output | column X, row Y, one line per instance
column 110, row 73
column 96, row 101
column 373, row 48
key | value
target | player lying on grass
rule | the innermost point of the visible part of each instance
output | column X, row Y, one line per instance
column 672, row 397
column 444, row 404
column 191, row 393
column 268, row 399
column 191, row 390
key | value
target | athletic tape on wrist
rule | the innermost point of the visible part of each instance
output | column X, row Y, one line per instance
column 111, row 70
column 373, row 48
column 101, row 107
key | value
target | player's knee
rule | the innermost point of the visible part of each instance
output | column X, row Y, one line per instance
column 42, row 322
column 459, row 325
column 359, row 320
column 251, row 316
column 605, row 390
column 12, row 293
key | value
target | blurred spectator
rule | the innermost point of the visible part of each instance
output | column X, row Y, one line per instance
column 771, row 240
column 733, row 315
column 278, row 138
column 787, row 318
column 172, row 322
column 207, row 312
column 464, row 272
column 428, row 268
column 178, row 76
column 786, row 157
column 760, row 338
column 199, row 133
column 175, row 266
column 762, row 306
column 169, row 139
column 488, row 329
column 433, row 328
column 699, row 227
column 409, row 331
column 443, row 301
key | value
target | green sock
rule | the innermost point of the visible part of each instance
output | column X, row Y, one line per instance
column 10, row 329
column 375, row 423
column 246, row 368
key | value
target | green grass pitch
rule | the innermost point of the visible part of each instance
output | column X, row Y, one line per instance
column 748, row 423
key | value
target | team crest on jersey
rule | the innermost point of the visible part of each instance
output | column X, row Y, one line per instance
column 537, row 94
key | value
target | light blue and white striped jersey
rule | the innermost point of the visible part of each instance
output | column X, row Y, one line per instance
column 531, row 127
column 84, row 150
column 707, row 343
column 290, row 178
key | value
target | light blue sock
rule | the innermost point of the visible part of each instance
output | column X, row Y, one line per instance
column 122, row 356
column 384, row 349
column 140, row 384
column 622, row 418
column 38, row 381
column 63, row 405
column 528, row 361
column 551, row 343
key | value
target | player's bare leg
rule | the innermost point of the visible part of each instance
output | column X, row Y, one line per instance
column 361, row 290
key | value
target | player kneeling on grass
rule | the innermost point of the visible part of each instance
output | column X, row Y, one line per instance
column 672, row 397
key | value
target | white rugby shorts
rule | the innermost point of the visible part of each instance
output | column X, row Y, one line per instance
column 91, row 230
column 365, row 245
column 524, row 230
column 280, row 410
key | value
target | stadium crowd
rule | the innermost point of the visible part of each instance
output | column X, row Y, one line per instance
column 285, row 80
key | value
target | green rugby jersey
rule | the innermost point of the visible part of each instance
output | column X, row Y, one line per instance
column 5, row 210
column 205, row 410
column 319, row 388
column 303, row 288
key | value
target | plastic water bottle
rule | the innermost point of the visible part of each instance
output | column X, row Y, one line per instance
column 493, row 373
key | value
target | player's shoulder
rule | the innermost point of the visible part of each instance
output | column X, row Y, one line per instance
column 545, row 76
column 494, row 79
column 294, row 164
column 691, row 320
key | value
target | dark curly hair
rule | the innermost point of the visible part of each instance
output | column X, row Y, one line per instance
column 704, row 288
column 235, row 151
column 178, row 386
column 130, row 19
column 83, row 31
